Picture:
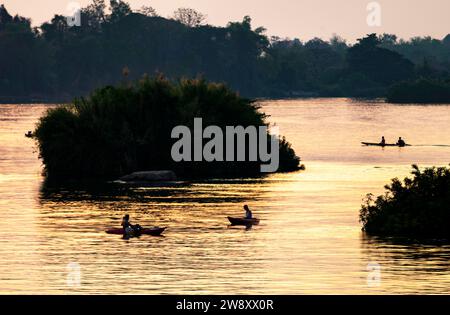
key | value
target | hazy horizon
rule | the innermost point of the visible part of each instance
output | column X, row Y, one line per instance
column 304, row 19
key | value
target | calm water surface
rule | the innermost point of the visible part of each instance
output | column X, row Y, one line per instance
column 309, row 240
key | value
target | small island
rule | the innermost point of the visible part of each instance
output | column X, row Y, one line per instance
column 418, row 207
column 122, row 129
column 420, row 91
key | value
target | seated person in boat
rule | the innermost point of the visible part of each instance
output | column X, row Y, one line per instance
column 126, row 225
column 128, row 228
column 401, row 142
column 383, row 141
column 248, row 213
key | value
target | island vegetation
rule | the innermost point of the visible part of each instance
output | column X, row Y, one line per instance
column 56, row 61
column 418, row 207
column 121, row 129
column 420, row 91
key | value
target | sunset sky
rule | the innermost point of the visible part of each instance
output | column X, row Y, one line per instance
column 304, row 19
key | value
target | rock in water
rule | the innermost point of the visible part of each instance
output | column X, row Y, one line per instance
column 150, row 176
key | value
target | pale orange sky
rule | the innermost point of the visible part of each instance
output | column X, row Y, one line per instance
column 287, row 18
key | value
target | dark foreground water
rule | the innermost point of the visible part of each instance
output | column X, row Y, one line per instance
column 309, row 240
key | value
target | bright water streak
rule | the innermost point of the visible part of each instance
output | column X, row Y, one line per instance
column 309, row 240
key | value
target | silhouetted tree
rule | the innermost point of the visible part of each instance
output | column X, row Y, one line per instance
column 5, row 17
column 148, row 11
column 388, row 39
column 119, row 9
column 189, row 17
column 94, row 14
column 378, row 64
column 25, row 58
column 338, row 44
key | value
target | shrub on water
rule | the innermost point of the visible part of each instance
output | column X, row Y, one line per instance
column 126, row 128
column 418, row 207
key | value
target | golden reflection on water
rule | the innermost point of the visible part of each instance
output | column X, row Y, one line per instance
column 309, row 240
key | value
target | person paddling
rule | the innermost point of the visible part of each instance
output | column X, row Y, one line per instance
column 401, row 142
column 126, row 225
column 128, row 228
column 383, row 141
column 248, row 213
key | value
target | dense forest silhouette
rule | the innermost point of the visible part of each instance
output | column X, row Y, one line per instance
column 56, row 61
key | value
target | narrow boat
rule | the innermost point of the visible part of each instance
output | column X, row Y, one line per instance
column 157, row 231
column 243, row 221
column 385, row 145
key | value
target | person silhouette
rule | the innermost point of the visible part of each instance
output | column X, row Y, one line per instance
column 248, row 213
column 128, row 228
column 401, row 142
column 383, row 141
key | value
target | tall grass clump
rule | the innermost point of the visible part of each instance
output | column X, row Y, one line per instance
column 126, row 128
column 417, row 207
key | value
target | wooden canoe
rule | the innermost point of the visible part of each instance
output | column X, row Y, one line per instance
column 243, row 221
column 384, row 145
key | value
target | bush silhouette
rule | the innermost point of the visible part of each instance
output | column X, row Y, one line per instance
column 418, row 207
column 118, row 130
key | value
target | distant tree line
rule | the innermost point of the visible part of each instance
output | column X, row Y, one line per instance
column 115, row 43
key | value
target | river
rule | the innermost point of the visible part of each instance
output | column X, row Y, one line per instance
column 309, row 240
